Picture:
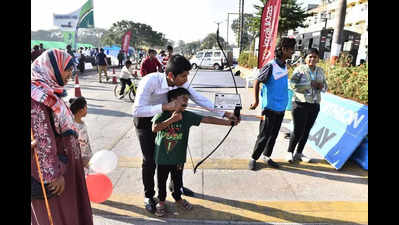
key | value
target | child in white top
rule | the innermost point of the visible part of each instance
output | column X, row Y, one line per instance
column 124, row 76
column 78, row 107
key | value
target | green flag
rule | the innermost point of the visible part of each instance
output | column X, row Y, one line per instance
column 86, row 17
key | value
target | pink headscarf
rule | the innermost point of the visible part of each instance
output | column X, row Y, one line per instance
column 47, row 87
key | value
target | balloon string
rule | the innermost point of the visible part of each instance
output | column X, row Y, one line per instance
column 41, row 180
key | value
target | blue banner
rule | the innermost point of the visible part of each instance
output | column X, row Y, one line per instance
column 339, row 129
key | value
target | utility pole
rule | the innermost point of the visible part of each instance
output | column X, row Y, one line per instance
column 242, row 23
column 239, row 27
column 338, row 32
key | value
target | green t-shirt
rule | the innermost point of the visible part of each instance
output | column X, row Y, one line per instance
column 171, row 143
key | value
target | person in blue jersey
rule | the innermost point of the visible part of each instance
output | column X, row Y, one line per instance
column 274, row 75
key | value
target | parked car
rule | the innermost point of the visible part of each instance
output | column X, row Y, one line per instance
column 208, row 59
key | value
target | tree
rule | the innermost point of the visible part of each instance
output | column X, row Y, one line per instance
column 142, row 34
column 210, row 41
column 291, row 17
column 248, row 33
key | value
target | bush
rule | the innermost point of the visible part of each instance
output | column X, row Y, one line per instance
column 349, row 82
column 248, row 60
column 243, row 59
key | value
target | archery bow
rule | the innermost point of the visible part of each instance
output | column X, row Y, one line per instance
column 236, row 110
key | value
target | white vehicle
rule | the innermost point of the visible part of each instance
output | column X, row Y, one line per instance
column 209, row 59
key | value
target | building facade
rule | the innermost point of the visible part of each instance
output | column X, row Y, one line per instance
column 325, row 17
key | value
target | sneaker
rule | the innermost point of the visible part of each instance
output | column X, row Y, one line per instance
column 289, row 157
column 302, row 157
column 270, row 162
column 150, row 204
column 161, row 210
column 121, row 96
column 252, row 164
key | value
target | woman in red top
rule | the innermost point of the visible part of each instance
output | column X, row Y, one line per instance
column 151, row 64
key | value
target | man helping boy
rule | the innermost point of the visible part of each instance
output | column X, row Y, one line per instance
column 172, row 129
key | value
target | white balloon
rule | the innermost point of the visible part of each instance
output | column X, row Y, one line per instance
column 103, row 161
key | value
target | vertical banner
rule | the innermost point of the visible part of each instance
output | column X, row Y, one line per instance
column 268, row 31
column 126, row 41
column 69, row 37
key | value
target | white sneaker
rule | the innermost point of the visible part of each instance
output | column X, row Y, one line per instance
column 302, row 157
column 289, row 157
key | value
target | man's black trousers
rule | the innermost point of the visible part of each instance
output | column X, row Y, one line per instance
column 268, row 131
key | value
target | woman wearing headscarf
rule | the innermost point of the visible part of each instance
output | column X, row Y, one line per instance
column 57, row 144
column 307, row 81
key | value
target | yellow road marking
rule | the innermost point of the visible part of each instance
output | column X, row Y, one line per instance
column 213, row 208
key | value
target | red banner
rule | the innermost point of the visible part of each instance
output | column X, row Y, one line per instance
column 268, row 32
column 126, row 41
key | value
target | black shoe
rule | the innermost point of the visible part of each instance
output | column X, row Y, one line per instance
column 252, row 164
column 187, row 192
column 150, row 204
column 271, row 163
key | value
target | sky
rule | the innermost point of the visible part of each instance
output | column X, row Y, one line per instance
column 187, row 20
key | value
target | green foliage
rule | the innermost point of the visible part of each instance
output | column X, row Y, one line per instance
column 248, row 31
column 89, row 36
column 210, row 42
column 248, row 60
column 349, row 82
column 142, row 35
column 291, row 16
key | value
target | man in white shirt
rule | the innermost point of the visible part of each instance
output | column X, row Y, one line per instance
column 151, row 98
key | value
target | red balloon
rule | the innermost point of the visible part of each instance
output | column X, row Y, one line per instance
column 99, row 187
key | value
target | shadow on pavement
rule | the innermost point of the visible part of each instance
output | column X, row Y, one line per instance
column 312, row 169
column 201, row 212
column 274, row 212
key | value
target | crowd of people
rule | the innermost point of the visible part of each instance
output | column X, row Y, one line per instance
column 161, row 124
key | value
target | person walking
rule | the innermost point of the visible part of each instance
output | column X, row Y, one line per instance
column 82, row 61
column 274, row 75
column 151, row 99
column 150, row 64
column 102, row 65
column 57, row 145
column 307, row 81
column 121, row 57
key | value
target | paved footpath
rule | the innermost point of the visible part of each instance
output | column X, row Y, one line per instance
column 226, row 191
